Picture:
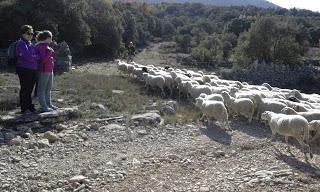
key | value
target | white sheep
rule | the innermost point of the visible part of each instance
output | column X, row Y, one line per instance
column 242, row 106
column 154, row 81
column 267, row 86
column 314, row 126
column 213, row 110
column 266, row 105
column 309, row 115
column 289, row 126
column 195, row 90
column 213, row 97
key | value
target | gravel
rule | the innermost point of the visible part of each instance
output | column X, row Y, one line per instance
column 119, row 157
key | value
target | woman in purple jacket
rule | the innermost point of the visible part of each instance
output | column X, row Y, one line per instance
column 45, row 71
column 26, row 67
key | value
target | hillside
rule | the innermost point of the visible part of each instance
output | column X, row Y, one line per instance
column 257, row 3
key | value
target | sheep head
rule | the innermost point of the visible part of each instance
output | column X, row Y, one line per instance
column 288, row 111
column 203, row 95
column 199, row 102
column 314, row 125
column 266, row 116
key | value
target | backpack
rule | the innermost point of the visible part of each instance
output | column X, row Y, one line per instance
column 12, row 57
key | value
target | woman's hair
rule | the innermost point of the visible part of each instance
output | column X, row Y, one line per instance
column 36, row 33
column 43, row 35
column 25, row 28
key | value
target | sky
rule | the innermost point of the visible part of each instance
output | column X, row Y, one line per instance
column 313, row 5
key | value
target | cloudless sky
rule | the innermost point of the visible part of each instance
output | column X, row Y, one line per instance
column 313, row 5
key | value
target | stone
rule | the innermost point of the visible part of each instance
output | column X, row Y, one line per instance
column 151, row 118
column 84, row 136
column 220, row 153
column 168, row 108
column 51, row 136
column 61, row 127
column 55, row 116
column 113, row 126
column 43, row 143
column 77, row 178
column 135, row 161
column 204, row 189
column 142, row 132
column 62, row 57
column 98, row 106
column 117, row 92
column 15, row 159
column 173, row 157
column 26, row 127
column 16, row 141
column 8, row 136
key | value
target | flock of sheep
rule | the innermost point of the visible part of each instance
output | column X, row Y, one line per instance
column 288, row 112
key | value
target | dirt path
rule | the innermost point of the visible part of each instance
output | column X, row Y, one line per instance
column 158, row 54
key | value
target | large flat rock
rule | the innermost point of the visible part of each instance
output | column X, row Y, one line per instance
column 48, row 117
column 147, row 118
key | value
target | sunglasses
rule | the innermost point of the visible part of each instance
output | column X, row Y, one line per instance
column 30, row 33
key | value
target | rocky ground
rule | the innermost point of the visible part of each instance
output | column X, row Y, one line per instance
column 164, row 148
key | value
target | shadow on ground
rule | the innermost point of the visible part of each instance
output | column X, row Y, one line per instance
column 295, row 163
column 217, row 134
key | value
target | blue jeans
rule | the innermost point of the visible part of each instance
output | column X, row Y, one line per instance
column 45, row 81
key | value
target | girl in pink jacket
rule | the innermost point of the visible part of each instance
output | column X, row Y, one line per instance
column 45, row 71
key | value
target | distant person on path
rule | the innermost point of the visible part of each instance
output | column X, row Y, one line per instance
column 131, row 51
column 26, row 67
column 45, row 71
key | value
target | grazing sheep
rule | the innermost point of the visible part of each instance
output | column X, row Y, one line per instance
column 293, row 99
column 314, row 126
column 266, row 105
column 309, row 115
column 242, row 106
column 289, row 126
column 296, row 94
column 213, row 97
column 213, row 110
column 195, row 90
column 267, row 86
column 154, row 81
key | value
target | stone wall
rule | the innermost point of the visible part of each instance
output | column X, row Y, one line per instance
column 62, row 57
column 275, row 75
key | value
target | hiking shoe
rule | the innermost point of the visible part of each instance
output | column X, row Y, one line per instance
column 45, row 110
column 32, row 110
column 53, row 107
column 26, row 112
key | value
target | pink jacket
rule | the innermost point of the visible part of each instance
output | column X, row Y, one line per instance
column 45, row 63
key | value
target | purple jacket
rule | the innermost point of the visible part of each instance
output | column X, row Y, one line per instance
column 26, row 55
column 45, row 63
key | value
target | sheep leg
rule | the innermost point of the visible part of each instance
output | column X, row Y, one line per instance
column 272, row 138
column 228, row 127
column 288, row 147
column 306, row 149
column 250, row 117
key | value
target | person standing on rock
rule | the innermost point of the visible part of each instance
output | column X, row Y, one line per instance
column 45, row 71
column 26, row 68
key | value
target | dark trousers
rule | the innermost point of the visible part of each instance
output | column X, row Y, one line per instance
column 28, row 78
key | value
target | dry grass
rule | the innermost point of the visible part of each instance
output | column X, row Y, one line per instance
column 186, row 113
column 85, row 87
column 2, row 81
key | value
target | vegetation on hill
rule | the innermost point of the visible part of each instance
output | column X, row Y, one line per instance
column 257, row 3
column 209, row 33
